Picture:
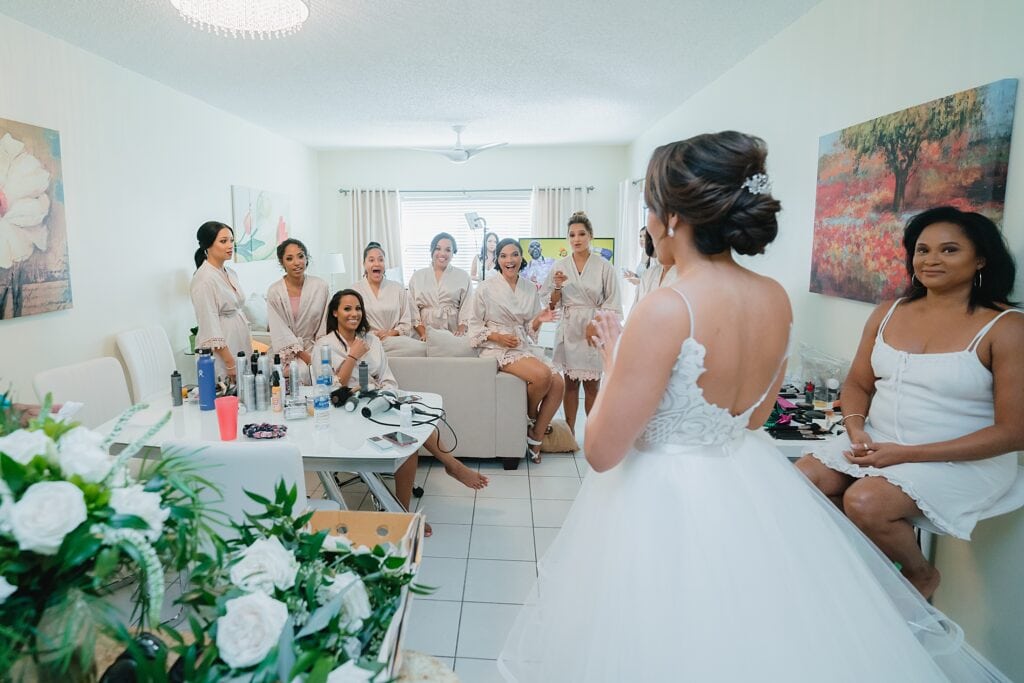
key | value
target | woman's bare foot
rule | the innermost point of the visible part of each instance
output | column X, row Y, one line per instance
column 466, row 476
column 926, row 582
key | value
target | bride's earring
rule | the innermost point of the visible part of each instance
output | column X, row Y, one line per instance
column 671, row 231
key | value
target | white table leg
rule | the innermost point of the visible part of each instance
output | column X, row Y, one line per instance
column 331, row 488
column 381, row 492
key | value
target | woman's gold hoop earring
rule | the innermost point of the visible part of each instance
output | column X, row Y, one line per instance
column 977, row 280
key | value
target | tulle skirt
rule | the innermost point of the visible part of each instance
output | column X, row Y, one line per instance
column 724, row 564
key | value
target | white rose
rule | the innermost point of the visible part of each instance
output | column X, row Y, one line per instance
column 132, row 500
column 350, row 672
column 6, row 589
column 337, row 543
column 355, row 602
column 23, row 445
column 80, row 452
column 264, row 565
column 48, row 512
column 249, row 629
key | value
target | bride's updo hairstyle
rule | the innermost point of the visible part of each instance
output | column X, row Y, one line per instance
column 716, row 183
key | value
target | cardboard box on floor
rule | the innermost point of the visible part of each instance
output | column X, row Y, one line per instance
column 404, row 530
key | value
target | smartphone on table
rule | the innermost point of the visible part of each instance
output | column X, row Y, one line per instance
column 400, row 439
column 380, row 443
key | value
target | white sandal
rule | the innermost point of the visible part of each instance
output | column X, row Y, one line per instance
column 534, row 454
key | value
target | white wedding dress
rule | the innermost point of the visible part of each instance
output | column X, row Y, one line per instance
column 706, row 556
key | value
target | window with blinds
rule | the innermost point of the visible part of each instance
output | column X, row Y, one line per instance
column 426, row 214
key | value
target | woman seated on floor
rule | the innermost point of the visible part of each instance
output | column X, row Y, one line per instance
column 934, row 402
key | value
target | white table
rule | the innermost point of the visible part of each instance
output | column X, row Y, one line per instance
column 342, row 447
column 796, row 449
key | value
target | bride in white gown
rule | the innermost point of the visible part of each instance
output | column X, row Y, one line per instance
column 696, row 551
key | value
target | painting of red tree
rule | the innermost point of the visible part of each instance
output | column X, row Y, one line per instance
column 873, row 176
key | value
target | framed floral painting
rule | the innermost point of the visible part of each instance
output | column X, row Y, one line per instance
column 34, row 273
column 874, row 176
column 261, row 222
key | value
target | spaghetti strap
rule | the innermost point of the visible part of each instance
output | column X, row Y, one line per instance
column 983, row 331
column 885, row 320
column 689, row 308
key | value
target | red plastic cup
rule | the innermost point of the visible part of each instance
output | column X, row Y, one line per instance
column 227, row 417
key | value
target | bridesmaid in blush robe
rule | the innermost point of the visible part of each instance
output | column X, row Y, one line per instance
column 296, row 306
column 218, row 299
column 387, row 303
column 579, row 286
column 440, row 293
column 506, row 314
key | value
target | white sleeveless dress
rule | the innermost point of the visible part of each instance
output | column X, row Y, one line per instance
column 926, row 398
column 705, row 556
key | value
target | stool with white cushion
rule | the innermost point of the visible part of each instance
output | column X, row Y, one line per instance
column 1010, row 501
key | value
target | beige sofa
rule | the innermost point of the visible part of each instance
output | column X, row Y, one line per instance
column 486, row 408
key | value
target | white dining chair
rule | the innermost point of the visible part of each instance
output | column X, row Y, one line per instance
column 98, row 384
column 149, row 359
column 1010, row 501
column 235, row 467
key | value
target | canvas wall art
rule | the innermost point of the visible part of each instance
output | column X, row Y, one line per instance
column 34, row 273
column 872, row 177
column 262, row 220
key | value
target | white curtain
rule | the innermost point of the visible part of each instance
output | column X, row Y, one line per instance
column 376, row 217
column 627, row 244
column 552, row 207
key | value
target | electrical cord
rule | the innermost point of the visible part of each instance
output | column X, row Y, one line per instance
column 432, row 419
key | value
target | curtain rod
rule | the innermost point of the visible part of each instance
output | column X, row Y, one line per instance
column 588, row 188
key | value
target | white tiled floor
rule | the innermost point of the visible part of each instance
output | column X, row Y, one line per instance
column 482, row 556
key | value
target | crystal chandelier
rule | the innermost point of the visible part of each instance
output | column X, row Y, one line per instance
column 245, row 18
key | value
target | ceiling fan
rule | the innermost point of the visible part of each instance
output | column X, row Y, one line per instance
column 459, row 154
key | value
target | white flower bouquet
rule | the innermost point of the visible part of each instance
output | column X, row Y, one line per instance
column 282, row 603
column 72, row 518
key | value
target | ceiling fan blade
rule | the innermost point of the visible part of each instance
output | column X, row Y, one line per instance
column 456, row 155
column 489, row 145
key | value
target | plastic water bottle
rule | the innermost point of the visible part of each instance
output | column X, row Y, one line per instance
column 326, row 374
column 322, row 407
column 405, row 417
column 205, row 373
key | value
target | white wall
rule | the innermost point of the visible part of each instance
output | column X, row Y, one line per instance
column 844, row 62
column 143, row 167
column 503, row 168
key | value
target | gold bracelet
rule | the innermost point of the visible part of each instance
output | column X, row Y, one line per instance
column 847, row 417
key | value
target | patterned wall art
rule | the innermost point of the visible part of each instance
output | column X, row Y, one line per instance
column 874, row 176
column 34, row 272
column 262, row 220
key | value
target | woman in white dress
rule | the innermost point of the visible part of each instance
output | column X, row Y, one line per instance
column 578, row 287
column 440, row 293
column 934, row 401
column 350, row 340
column 695, row 551
column 217, row 299
column 387, row 302
column 646, row 259
column 296, row 307
column 483, row 263
column 506, row 314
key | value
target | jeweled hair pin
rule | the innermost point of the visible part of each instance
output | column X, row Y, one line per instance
column 759, row 183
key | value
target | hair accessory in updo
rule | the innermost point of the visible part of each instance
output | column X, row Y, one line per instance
column 759, row 183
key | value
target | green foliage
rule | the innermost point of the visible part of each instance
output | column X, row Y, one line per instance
column 898, row 137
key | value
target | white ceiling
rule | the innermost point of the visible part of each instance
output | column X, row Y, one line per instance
column 384, row 73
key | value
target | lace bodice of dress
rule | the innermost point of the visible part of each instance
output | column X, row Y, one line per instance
column 684, row 417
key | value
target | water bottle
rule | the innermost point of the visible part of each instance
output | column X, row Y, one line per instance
column 206, row 375
column 262, row 392
column 364, row 377
column 322, row 407
column 175, row 388
column 326, row 375
column 405, row 417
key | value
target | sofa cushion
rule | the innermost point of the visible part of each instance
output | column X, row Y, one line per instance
column 404, row 347
column 442, row 343
column 255, row 309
